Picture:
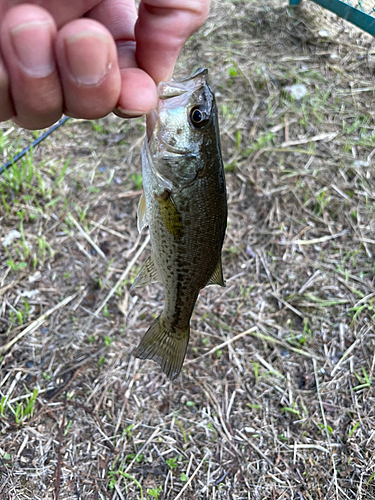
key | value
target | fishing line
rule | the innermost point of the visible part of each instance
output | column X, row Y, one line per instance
column 20, row 155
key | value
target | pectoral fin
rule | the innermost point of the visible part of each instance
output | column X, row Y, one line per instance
column 141, row 213
column 148, row 274
column 169, row 214
column 217, row 277
column 167, row 348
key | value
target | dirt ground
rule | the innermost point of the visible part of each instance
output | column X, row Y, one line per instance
column 276, row 398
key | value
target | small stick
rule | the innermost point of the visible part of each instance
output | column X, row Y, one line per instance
column 258, row 450
column 344, row 356
column 365, row 240
column 321, row 137
column 118, row 491
column 124, row 275
column 314, row 241
column 325, row 426
column 255, row 333
column 65, row 386
column 268, row 366
column 227, row 342
column 192, row 476
column 59, row 459
column 129, row 194
column 87, row 237
column 38, row 322
column 286, row 304
column 109, row 230
column 137, row 455
column 298, row 446
column 309, row 281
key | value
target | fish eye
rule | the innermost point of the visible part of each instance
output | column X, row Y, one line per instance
column 198, row 118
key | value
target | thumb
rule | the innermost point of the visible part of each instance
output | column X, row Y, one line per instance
column 162, row 28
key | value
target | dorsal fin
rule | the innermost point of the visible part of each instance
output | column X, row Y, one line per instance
column 217, row 276
column 148, row 274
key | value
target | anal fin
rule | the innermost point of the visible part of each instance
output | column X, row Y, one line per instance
column 148, row 274
column 167, row 348
column 217, row 276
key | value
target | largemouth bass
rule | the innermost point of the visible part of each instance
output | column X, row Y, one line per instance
column 185, row 207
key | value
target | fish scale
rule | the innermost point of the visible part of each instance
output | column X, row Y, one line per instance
column 184, row 205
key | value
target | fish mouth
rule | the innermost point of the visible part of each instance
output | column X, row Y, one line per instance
column 174, row 88
column 157, row 145
column 182, row 87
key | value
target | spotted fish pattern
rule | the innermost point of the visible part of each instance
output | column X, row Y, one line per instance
column 185, row 207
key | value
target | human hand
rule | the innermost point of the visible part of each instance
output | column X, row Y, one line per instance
column 86, row 58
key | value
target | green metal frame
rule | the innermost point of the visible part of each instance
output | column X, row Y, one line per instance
column 355, row 16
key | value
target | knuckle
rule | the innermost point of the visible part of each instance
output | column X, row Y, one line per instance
column 40, row 107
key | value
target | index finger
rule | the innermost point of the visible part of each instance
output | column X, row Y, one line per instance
column 138, row 91
column 162, row 28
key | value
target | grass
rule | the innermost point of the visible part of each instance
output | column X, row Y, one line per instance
column 276, row 398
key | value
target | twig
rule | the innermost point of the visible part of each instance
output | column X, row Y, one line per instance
column 268, row 366
column 88, row 238
column 255, row 333
column 44, row 409
column 130, row 194
column 137, row 455
column 94, row 478
column 264, row 456
column 109, row 230
column 313, row 241
column 257, row 449
column 321, row 137
column 192, row 476
column 227, row 342
column 344, row 356
column 155, row 433
column 38, row 322
column 365, row 240
column 59, row 459
column 124, row 275
column 326, row 427
column 302, row 446
column 215, row 402
column 286, row 304
column 10, row 285
column 309, row 281
column 65, row 386
column 118, row 491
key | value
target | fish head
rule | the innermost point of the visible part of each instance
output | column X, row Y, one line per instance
column 182, row 130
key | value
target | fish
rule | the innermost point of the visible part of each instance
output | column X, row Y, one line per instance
column 184, row 205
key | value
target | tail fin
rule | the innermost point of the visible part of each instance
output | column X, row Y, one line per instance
column 167, row 348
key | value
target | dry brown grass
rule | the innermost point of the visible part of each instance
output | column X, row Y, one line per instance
column 276, row 399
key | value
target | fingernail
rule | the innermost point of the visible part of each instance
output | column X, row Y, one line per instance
column 36, row 58
column 87, row 55
column 125, row 113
